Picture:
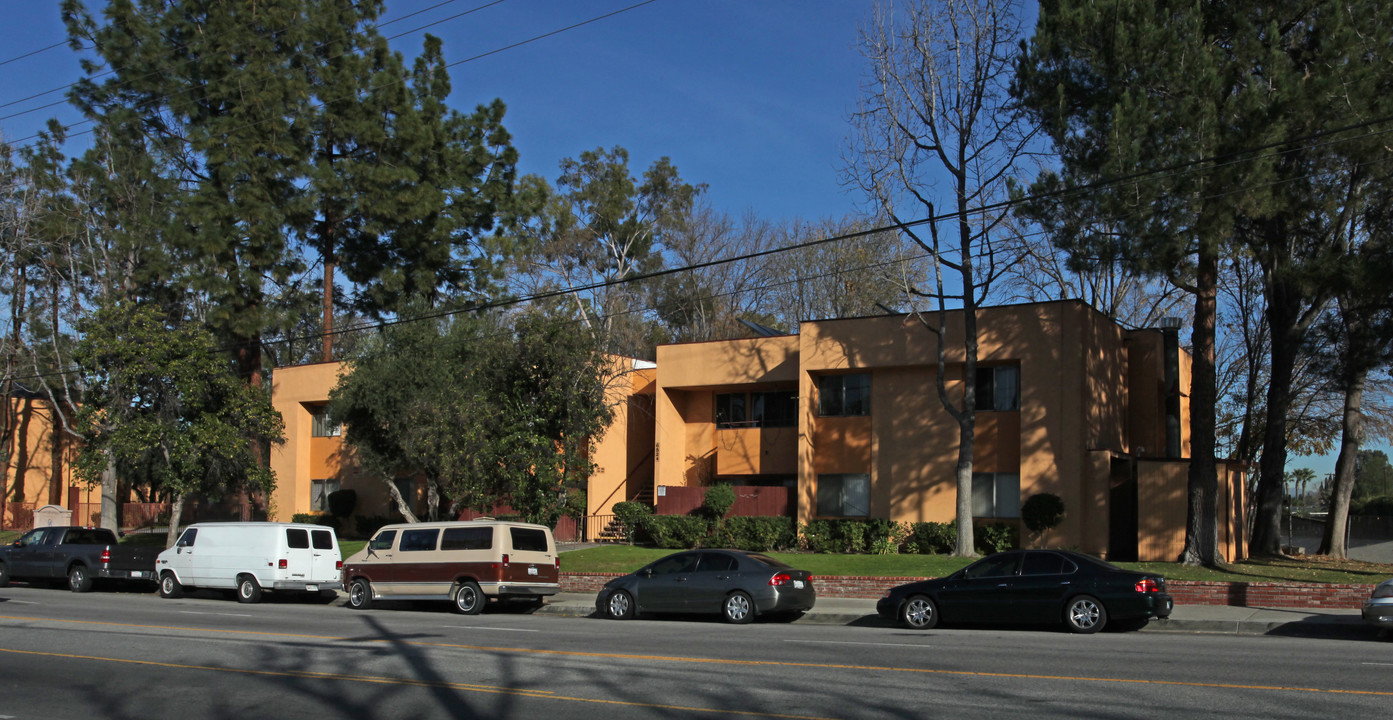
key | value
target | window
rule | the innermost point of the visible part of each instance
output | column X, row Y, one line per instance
column 774, row 409
column 297, row 539
column 319, row 494
column 1000, row 565
column 846, row 495
column 383, row 540
column 321, row 425
column 528, row 539
column 730, row 410
column 1043, row 563
column 844, row 395
column 468, row 538
column 996, row 495
column 416, row 540
column 673, row 564
column 759, row 409
column 717, row 562
column 323, row 539
column 187, row 539
column 999, row 388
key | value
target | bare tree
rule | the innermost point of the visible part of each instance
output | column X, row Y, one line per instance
column 936, row 122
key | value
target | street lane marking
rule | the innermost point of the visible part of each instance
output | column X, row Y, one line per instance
column 495, row 629
column 725, row 661
column 191, row 612
column 836, row 642
column 466, row 687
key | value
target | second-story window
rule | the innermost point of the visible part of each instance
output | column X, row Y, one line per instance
column 322, row 426
column 844, row 395
column 757, row 409
column 730, row 410
column 999, row 388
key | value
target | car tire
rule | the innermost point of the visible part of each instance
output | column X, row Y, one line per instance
column 1085, row 615
column 170, row 587
column 919, row 612
column 248, row 589
column 360, row 594
column 79, row 579
column 621, row 605
column 738, row 608
column 469, row 599
column 4, row 575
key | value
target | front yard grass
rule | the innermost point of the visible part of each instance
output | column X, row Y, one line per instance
column 1309, row 569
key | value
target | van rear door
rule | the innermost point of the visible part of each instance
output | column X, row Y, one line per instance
column 531, row 557
column 296, row 559
column 325, row 560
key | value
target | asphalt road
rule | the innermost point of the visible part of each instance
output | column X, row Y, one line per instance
column 129, row 655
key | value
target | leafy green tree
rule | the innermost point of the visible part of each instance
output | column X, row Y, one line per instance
column 1137, row 98
column 483, row 411
column 161, row 404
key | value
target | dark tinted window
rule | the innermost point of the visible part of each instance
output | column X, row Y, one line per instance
column 679, row 563
column 839, row 395
column 767, row 561
column 717, row 562
column 383, row 540
column 188, row 538
column 994, row 566
column 323, row 539
column 419, row 539
column 89, row 537
column 297, row 539
column 529, row 539
column 467, row 538
column 1044, row 563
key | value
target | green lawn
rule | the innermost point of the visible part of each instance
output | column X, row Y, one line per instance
column 348, row 547
column 624, row 559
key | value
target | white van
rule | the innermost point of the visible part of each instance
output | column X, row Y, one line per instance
column 251, row 557
column 467, row 562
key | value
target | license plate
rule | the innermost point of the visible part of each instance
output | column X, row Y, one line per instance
column 312, row 588
column 531, row 571
column 138, row 573
column 797, row 584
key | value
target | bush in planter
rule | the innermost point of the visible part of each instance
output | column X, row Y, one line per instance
column 633, row 517
column 1041, row 512
column 756, row 534
column 718, row 500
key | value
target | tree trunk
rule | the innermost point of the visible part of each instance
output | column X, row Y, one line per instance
column 1351, row 437
column 402, row 506
column 110, row 519
column 176, row 509
column 1287, row 334
column 1201, row 526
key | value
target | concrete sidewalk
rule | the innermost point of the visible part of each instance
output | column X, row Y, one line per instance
column 1186, row 618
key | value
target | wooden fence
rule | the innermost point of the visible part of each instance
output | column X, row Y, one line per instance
column 750, row 500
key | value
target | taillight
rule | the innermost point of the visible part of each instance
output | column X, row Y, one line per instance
column 780, row 579
column 284, row 564
column 106, row 555
column 1147, row 586
column 338, row 564
column 505, row 561
column 558, row 563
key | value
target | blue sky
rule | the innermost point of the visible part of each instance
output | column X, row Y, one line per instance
column 751, row 98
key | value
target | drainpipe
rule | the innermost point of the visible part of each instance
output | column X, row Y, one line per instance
column 1170, row 343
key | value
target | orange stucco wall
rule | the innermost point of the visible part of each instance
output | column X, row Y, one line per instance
column 39, row 472
column 623, row 455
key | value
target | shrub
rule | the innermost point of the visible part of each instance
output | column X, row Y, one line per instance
column 994, row 537
column 1379, row 505
column 1042, row 511
column 932, row 538
column 365, row 526
column 576, row 504
column 633, row 517
column 888, row 536
column 678, row 532
column 756, row 534
column 718, row 500
column 342, row 502
column 319, row 519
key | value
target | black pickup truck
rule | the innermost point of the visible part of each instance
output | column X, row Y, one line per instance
column 82, row 555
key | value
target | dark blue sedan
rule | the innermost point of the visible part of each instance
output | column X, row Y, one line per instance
column 1032, row 586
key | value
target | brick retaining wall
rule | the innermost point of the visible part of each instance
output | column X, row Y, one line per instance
column 1185, row 592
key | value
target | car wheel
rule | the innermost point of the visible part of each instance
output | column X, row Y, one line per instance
column 738, row 608
column 360, row 594
column 79, row 580
column 4, row 576
column 170, row 587
column 1084, row 614
column 469, row 599
column 248, row 589
column 621, row 605
column 919, row 613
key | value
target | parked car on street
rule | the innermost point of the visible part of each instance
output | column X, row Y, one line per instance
column 1378, row 609
column 468, row 562
column 252, row 557
column 737, row 585
column 1032, row 586
column 82, row 555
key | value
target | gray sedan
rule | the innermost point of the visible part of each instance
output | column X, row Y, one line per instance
column 1378, row 609
column 737, row 585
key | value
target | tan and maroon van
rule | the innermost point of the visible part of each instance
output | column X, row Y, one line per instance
column 466, row 562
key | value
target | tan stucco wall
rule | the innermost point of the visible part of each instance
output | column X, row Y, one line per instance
column 35, row 476
column 301, row 457
column 623, row 454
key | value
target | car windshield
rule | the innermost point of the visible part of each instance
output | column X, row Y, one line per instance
column 767, row 561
